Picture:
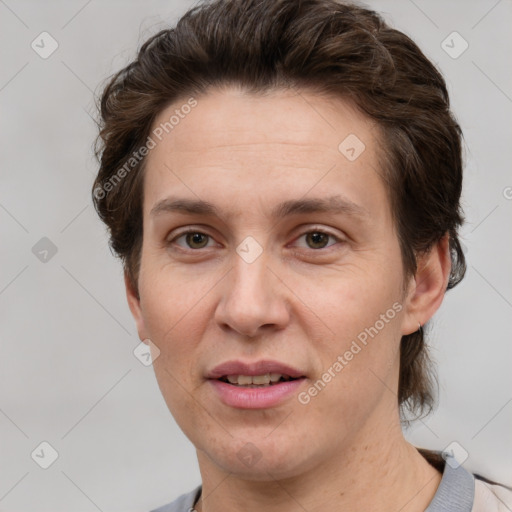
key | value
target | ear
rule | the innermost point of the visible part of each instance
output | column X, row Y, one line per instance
column 428, row 286
column 135, row 307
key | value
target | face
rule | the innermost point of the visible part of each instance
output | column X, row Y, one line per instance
column 266, row 242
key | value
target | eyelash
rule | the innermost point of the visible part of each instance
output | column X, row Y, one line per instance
column 195, row 231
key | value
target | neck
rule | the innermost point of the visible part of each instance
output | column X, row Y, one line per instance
column 385, row 474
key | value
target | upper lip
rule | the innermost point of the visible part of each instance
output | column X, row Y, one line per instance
column 256, row 368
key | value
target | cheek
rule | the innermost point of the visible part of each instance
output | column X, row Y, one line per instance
column 172, row 308
column 360, row 348
column 170, row 296
column 170, row 315
column 355, row 299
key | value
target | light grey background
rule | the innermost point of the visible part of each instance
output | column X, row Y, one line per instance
column 68, row 375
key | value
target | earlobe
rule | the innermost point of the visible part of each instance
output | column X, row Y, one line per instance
column 428, row 286
column 133, row 299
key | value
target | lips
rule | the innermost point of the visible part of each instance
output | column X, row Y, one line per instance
column 228, row 381
column 252, row 369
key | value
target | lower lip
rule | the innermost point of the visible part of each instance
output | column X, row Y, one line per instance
column 255, row 398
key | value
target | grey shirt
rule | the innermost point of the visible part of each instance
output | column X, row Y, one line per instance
column 456, row 492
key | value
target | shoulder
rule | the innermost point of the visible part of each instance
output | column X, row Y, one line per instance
column 184, row 503
column 491, row 497
column 465, row 491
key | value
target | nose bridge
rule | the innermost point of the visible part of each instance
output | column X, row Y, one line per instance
column 251, row 298
column 250, row 277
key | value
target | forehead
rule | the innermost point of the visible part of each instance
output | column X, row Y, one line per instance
column 261, row 145
column 229, row 115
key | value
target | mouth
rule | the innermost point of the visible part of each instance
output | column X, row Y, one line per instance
column 256, row 381
column 259, row 373
column 258, row 385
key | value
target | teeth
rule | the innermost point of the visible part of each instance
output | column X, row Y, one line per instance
column 259, row 379
column 247, row 380
column 243, row 380
column 233, row 379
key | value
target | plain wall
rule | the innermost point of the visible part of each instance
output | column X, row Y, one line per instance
column 67, row 372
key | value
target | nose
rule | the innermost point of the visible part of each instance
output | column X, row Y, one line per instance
column 253, row 299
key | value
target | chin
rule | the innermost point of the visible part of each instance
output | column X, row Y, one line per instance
column 260, row 459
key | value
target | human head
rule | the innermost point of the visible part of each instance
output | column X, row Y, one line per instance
column 335, row 50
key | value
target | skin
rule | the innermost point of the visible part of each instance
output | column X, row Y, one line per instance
column 302, row 301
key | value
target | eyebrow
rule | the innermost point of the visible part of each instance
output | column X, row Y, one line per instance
column 332, row 204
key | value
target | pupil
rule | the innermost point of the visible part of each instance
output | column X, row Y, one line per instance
column 196, row 238
column 317, row 239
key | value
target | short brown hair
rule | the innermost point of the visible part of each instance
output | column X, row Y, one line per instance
column 336, row 49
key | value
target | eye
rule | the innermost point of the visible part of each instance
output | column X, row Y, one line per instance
column 192, row 239
column 318, row 239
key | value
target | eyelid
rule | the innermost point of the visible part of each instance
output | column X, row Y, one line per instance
column 309, row 228
column 189, row 228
